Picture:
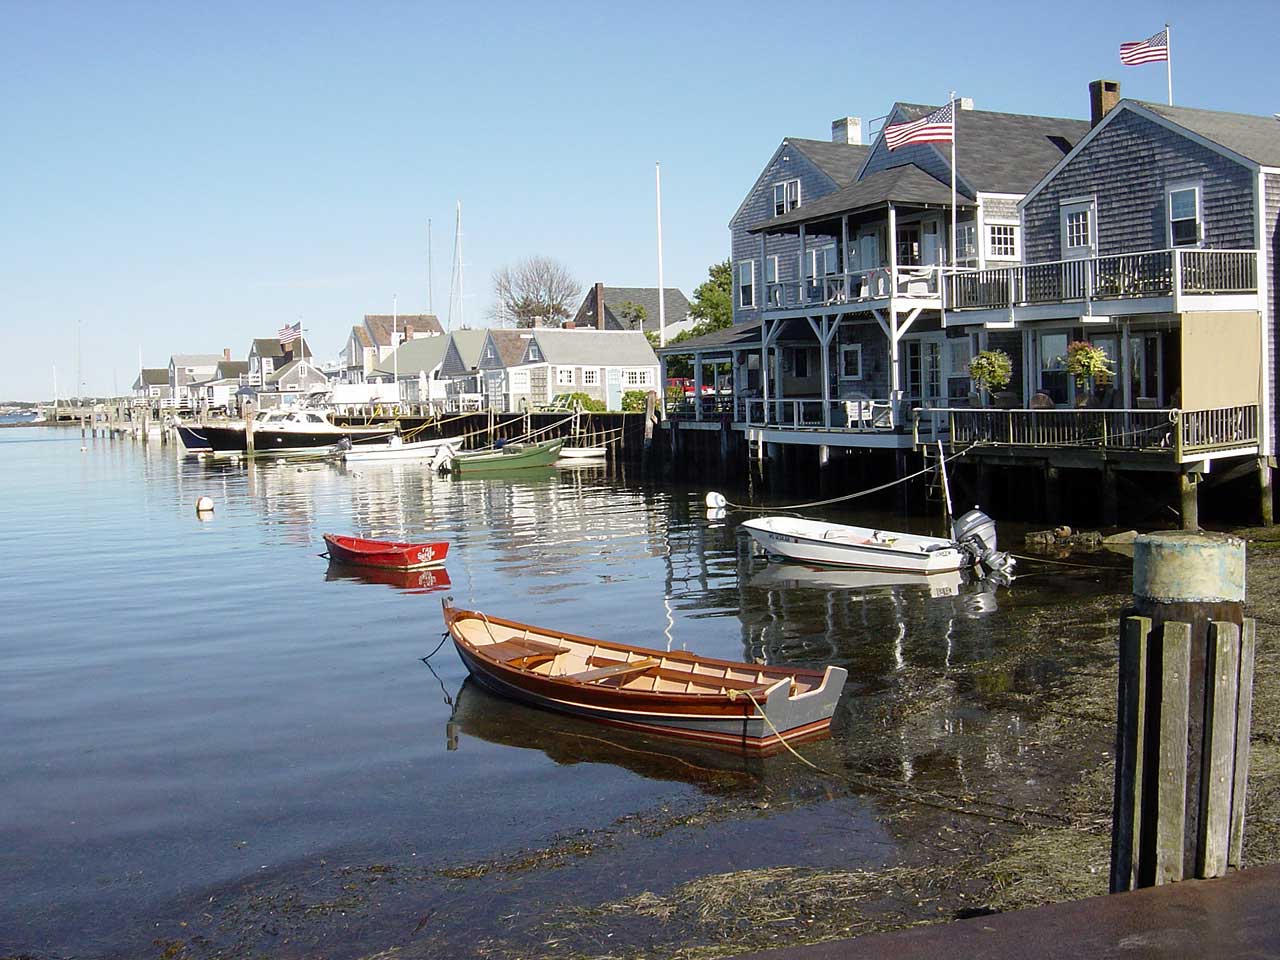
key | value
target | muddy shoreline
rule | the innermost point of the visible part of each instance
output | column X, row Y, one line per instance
column 653, row 883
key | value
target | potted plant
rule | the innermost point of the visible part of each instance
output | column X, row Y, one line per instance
column 1088, row 365
column 990, row 370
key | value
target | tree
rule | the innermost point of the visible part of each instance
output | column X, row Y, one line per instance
column 712, row 303
column 633, row 314
column 536, row 290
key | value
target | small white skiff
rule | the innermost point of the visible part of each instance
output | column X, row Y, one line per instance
column 397, row 449
column 582, row 453
column 814, row 541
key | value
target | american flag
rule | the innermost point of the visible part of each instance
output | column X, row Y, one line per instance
column 1152, row 50
column 937, row 127
column 290, row 333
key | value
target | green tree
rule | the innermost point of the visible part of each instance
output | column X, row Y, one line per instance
column 633, row 315
column 712, row 303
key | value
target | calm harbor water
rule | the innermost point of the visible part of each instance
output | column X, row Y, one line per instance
column 187, row 704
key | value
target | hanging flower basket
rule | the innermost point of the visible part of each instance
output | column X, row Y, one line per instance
column 1088, row 364
column 991, row 370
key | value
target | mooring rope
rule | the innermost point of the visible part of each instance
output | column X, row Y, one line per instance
column 848, row 496
column 908, row 794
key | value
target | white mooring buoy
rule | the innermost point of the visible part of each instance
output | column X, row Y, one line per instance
column 204, row 505
column 716, row 501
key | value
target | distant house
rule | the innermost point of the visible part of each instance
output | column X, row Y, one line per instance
column 460, row 366
column 220, row 389
column 504, row 384
column 188, row 368
column 527, row 368
column 373, row 340
column 287, row 384
column 266, row 355
column 415, row 365
column 152, row 384
column 612, row 308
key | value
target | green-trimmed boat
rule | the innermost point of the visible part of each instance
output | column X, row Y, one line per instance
column 513, row 456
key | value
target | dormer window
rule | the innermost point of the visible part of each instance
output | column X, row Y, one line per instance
column 786, row 196
column 1183, row 204
column 535, row 355
column 488, row 351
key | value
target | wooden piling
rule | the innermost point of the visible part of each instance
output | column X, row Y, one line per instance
column 1189, row 501
column 1266, row 501
column 1184, row 703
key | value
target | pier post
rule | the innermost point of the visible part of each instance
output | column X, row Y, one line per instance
column 1110, row 497
column 1184, row 699
column 1189, row 501
column 1266, row 501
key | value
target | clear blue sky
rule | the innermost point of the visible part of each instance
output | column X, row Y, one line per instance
column 185, row 177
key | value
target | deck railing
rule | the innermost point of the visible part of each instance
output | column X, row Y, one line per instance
column 1153, row 273
column 708, row 407
column 848, row 415
column 878, row 283
column 1180, row 432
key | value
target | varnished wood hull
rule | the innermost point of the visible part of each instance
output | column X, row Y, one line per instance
column 785, row 704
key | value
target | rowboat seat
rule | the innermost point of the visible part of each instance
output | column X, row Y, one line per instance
column 523, row 651
column 615, row 670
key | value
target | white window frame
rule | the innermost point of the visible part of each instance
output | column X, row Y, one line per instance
column 785, row 199
column 590, row 376
column 1066, row 210
column 1015, row 238
column 560, row 377
column 771, row 266
column 1197, row 187
column 855, row 349
column 828, row 252
column 519, row 382
column 748, row 288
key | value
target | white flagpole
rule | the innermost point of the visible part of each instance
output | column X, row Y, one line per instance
column 662, row 308
column 955, row 122
column 1168, row 59
column 395, row 353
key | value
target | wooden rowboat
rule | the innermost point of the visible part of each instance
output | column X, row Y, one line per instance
column 741, row 706
column 514, row 456
column 385, row 553
column 582, row 453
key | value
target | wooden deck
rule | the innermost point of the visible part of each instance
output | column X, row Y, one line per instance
column 1234, row 917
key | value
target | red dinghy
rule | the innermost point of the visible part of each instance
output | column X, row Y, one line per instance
column 384, row 553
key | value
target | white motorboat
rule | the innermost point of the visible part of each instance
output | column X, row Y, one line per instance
column 397, row 449
column 816, row 541
column 582, row 453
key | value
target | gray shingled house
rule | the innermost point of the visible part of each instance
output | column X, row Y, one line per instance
column 460, row 369
column 1154, row 240
column 372, row 341
column 152, row 384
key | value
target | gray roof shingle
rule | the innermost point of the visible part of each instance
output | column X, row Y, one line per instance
column 677, row 306
column 604, row 348
column 422, row 354
column 906, row 184
column 839, row 161
column 1254, row 138
column 738, row 335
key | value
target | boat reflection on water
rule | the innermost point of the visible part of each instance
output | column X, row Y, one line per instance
column 973, row 597
column 569, row 740
column 410, row 581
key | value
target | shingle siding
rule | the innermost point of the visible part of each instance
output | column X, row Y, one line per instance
column 1271, row 248
column 1127, row 167
column 788, row 165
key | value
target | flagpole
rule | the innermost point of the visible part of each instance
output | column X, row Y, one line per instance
column 662, row 310
column 395, row 359
column 955, row 123
column 1168, row 59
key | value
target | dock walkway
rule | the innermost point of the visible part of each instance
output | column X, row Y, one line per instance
column 1232, row 917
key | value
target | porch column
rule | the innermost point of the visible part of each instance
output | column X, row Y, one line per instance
column 893, row 251
column 764, row 370
column 844, row 249
column 697, row 386
column 1126, row 361
column 762, row 299
column 662, row 387
column 826, row 374
column 895, row 375
column 804, row 283
column 735, row 372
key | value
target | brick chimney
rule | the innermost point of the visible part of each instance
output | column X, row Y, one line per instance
column 226, row 353
column 1103, row 96
column 846, row 130
column 599, row 306
column 408, row 332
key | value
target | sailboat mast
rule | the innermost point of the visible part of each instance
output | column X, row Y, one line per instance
column 430, row 285
column 462, row 318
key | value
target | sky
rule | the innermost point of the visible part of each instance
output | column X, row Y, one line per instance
column 182, row 177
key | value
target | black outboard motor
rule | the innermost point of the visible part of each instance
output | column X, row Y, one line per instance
column 975, row 533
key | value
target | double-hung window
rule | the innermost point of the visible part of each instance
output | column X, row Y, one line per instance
column 786, row 196
column 851, row 361
column 590, row 376
column 564, row 376
column 747, row 283
column 822, row 261
column 1183, row 204
column 1079, row 233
